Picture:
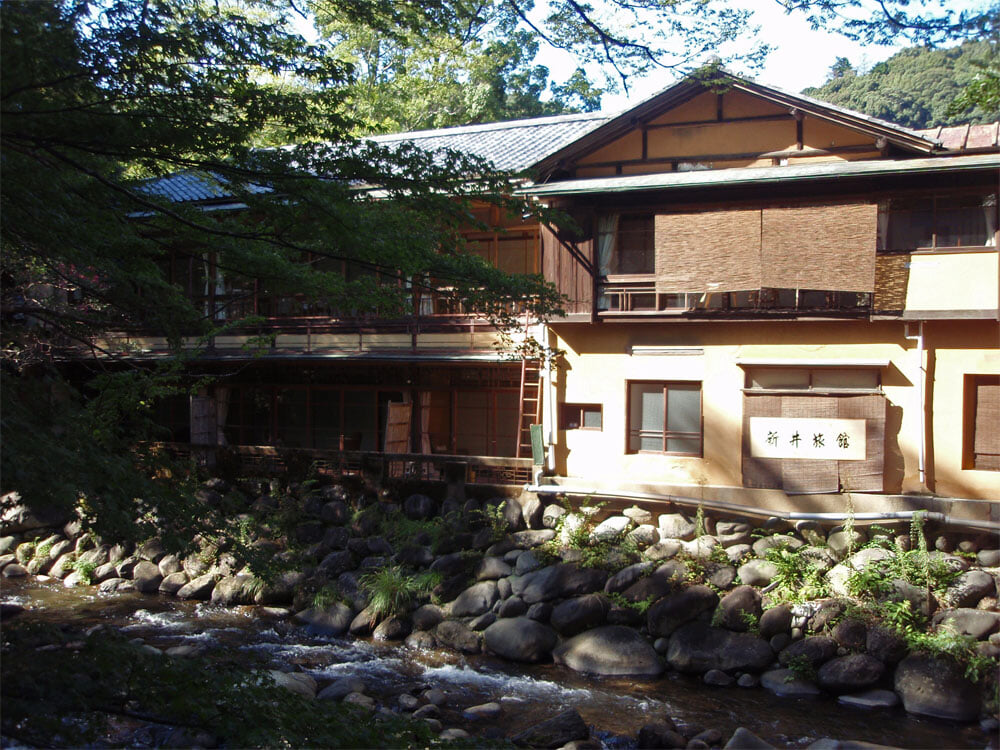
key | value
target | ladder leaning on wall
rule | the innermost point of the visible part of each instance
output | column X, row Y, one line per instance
column 530, row 409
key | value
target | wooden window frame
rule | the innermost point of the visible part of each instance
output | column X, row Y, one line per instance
column 935, row 197
column 571, row 416
column 969, row 423
column 667, row 434
column 810, row 389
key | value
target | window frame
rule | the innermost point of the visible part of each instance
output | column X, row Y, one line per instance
column 575, row 411
column 935, row 197
column 970, row 423
column 667, row 434
column 811, row 388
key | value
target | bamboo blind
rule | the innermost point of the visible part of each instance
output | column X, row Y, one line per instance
column 987, row 430
column 819, row 247
column 710, row 251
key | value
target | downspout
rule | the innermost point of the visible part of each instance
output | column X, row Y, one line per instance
column 922, row 397
column 550, row 408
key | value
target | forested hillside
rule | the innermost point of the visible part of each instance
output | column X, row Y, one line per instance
column 915, row 87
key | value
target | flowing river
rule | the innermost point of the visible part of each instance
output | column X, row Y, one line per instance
column 616, row 708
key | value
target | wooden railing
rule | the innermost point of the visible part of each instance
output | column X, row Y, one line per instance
column 264, row 460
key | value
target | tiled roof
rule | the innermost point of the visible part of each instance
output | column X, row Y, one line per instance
column 512, row 146
column 966, row 137
column 193, row 186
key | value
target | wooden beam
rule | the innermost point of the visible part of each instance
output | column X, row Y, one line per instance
column 689, row 123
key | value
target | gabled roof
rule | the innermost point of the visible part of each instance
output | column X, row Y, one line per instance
column 693, row 85
column 512, row 146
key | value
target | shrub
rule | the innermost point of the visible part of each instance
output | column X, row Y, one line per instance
column 392, row 591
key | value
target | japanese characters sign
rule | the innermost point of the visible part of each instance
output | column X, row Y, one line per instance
column 837, row 439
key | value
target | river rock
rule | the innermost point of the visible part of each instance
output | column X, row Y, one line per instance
column 551, row 515
column 332, row 620
column 173, row 583
column 151, row 550
column 475, row 600
column 701, row 547
column 295, row 682
column 483, row 712
column 613, row 650
column 644, row 535
column 815, row 648
column 851, row 634
column 421, row 639
column 936, row 687
column 837, row 576
column 532, row 510
column 671, row 612
column 199, row 588
column 64, row 564
column 845, row 674
column 451, row 587
column 662, row 550
column 427, row 617
column 392, row 629
column 515, row 606
column 870, row 699
column 744, row 739
column 561, row 729
column 558, row 581
column 337, row 562
column 458, row 637
column 626, row 577
column 580, row 613
column 232, row 590
column 451, row 564
column 363, row 623
column 969, row 588
column 675, row 526
column 885, row 645
column 341, row 688
column 739, row 609
column 978, row 623
column 527, row 562
column 610, row 529
column 419, row 507
column 540, row 612
column 147, row 577
column 492, row 568
column 116, row 586
column 988, row 558
column 718, row 678
column 18, row 518
column 775, row 620
column 841, row 542
column 660, row 734
column 520, row 639
column 762, row 545
column 757, row 572
column 696, row 649
column 532, row 537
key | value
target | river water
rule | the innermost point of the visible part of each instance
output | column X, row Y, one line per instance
column 616, row 708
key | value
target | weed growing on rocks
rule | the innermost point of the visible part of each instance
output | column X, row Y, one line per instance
column 797, row 578
column 86, row 570
column 392, row 590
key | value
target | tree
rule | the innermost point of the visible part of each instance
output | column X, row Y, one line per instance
column 918, row 87
column 97, row 96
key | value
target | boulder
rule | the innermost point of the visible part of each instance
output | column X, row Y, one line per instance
column 392, row 629
column 762, row 545
column 492, row 568
column 558, row 581
column 14, row 570
column 718, row 678
column 482, row 622
column 551, row 515
column 969, row 588
column 512, row 514
column 815, row 648
column 675, row 526
column 788, row 684
column 427, row 617
column 337, row 562
column 515, row 606
column 673, row 611
column 452, row 564
column 885, row 645
column 775, row 620
column 561, row 729
column 936, row 687
column 644, row 535
column 419, row 507
column 335, row 512
column 527, row 562
column 532, row 537
column 841, row 542
column 978, row 623
column 696, row 649
column 520, row 639
column 870, row 699
column 199, row 588
column 532, row 510
column 739, row 609
column 851, row 634
column 757, row 572
column 580, row 613
column 846, row 674
column 458, row 637
column 170, row 584
column 626, row 577
column 151, row 550
column 147, row 577
column 662, row 550
column 660, row 734
column 341, row 688
column 233, row 590
column 421, row 639
column 610, row 529
column 18, row 518
column 295, row 682
column 613, row 650
column 332, row 620
column 744, row 739
column 475, row 600
column 116, row 586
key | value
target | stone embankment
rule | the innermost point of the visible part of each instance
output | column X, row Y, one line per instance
column 632, row 595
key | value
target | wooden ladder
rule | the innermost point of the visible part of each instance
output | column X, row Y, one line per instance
column 530, row 410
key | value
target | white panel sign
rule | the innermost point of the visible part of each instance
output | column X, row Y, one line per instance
column 836, row 439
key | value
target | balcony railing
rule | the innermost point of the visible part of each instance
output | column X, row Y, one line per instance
column 642, row 297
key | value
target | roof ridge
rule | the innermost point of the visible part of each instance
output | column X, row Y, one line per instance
column 487, row 126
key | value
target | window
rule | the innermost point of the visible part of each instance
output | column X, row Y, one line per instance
column 581, row 417
column 982, row 417
column 813, row 379
column 938, row 221
column 625, row 245
column 664, row 418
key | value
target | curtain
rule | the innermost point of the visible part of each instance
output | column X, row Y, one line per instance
column 221, row 414
column 607, row 230
column 990, row 214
